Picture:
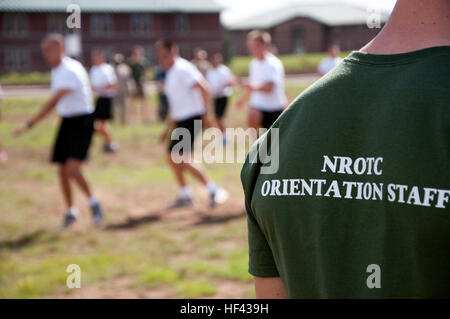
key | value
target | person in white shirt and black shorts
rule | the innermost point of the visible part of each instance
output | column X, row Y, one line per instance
column 72, row 97
column 266, row 83
column 220, row 79
column 188, row 96
column 104, row 81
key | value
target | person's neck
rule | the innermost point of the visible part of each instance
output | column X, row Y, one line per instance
column 413, row 25
column 262, row 56
column 58, row 63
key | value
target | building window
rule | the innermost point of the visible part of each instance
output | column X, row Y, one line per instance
column 101, row 24
column 15, row 24
column 56, row 24
column 140, row 24
column 17, row 59
column 181, row 23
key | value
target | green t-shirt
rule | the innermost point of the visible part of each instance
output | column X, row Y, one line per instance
column 360, row 204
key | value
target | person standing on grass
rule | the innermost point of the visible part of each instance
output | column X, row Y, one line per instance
column 331, row 61
column 104, row 82
column 123, row 75
column 379, row 120
column 220, row 79
column 138, row 65
column 72, row 97
column 266, row 83
column 188, row 96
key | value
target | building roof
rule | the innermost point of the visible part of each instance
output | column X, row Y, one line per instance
column 111, row 5
column 330, row 13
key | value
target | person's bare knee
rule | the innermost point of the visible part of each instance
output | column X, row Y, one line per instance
column 254, row 118
column 72, row 168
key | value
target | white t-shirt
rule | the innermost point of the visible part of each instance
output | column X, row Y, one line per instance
column 184, row 100
column 270, row 69
column 219, row 79
column 101, row 76
column 327, row 64
column 71, row 75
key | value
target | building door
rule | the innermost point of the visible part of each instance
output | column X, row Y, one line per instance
column 297, row 40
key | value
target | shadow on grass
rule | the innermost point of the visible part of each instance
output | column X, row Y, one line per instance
column 23, row 241
column 133, row 222
column 218, row 219
column 197, row 216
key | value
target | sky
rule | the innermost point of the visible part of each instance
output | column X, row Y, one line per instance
column 239, row 9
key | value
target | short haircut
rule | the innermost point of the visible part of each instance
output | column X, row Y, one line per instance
column 53, row 38
column 98, row 51
column 167, row 45
column 260, row 36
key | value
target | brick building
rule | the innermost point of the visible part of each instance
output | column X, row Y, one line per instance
column 310, row 26
column 114, row 25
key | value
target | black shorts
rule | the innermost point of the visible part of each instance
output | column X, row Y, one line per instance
column 268, row 118
column 220, row 105
column 103, row 108
column 188, row 124
column 73, row 139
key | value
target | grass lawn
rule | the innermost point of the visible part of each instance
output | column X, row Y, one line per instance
column 142, row 250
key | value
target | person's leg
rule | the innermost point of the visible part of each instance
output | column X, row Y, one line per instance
column 197, row 171
column 177, row 169
column 65, row 185
column 254, row 122
column 73, row 168
column 71, row 211
column 145, row 114
column 120, row 106
column 102, row 129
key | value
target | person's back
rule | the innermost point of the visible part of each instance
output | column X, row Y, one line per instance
column 359, row 207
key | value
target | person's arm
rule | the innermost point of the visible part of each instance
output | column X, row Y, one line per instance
column 169, row 126
column 47, row 107
column 269, row 288
column 204, row 89
column 206, row 96
column 265, row 88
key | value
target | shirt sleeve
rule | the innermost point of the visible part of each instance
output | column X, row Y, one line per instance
column 228, row 74
column 321, row 67
column 261, row 260
column 66, row 80
column 191, row 77
column 112, row 79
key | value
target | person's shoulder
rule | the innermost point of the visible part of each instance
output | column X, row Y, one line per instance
column 273, row 61
column 224, row 68
column 69, row 67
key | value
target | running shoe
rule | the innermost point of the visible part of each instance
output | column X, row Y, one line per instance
column 180, row 203
column 97, row 215
column 218, row 197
